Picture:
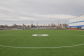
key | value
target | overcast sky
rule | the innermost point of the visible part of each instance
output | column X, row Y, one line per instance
column 39, row 11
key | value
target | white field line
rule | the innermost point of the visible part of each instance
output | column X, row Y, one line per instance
column 39, row 34
column 43, row 47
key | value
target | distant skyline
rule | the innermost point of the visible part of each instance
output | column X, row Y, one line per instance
column 39, row 11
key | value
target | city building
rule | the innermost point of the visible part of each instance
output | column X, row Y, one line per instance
column 76, row 23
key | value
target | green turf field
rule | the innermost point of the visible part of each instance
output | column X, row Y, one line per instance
column 58, row 43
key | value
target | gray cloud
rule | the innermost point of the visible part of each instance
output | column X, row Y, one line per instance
column 26, row 11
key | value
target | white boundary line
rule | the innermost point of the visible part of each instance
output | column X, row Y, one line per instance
column 43, row 47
